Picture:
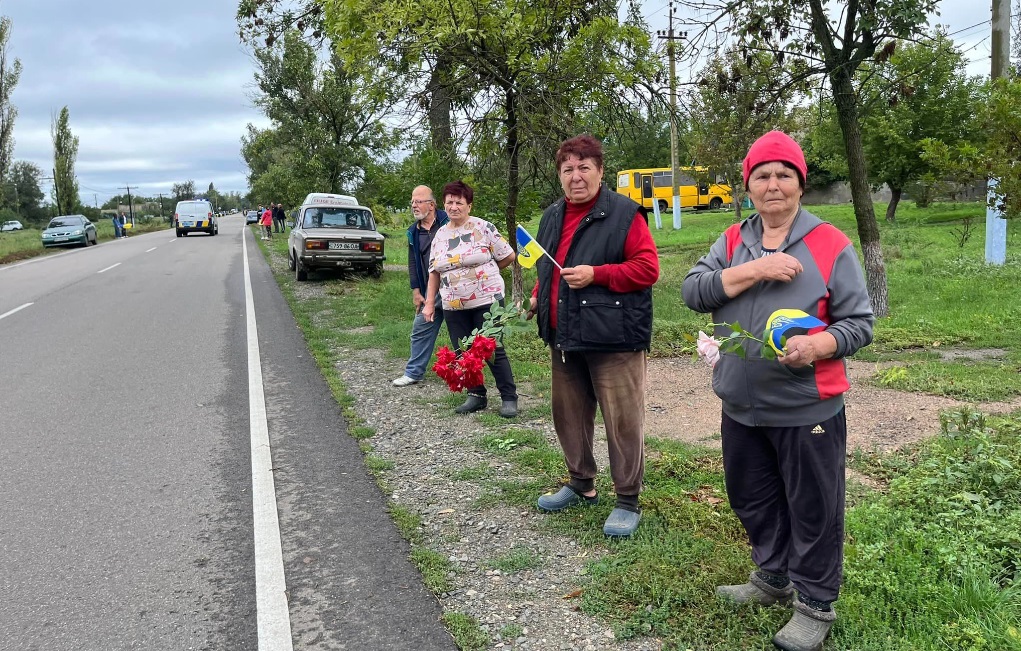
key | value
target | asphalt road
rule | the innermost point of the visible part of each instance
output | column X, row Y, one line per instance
column 127, row 419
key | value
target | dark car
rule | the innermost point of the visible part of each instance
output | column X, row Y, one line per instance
column 70, row 229
column 333, row 231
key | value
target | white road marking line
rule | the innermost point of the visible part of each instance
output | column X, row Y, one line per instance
column 17, row 309
column 152, row 249
column 173, row 240
column 108, row 268
column 272, row 617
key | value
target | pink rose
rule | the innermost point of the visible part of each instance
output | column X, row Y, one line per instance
column 708, row 349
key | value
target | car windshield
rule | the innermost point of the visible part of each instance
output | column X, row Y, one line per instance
column 64, row 222
column 193, row 208
column 338, row 218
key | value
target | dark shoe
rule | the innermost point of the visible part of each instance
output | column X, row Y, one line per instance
column 621, row 523
column 509, row 408
column 807, row 629
column 472, row 404
column 756, row 591
column 564, row 498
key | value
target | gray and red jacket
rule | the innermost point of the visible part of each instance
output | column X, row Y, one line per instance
column 761, row 392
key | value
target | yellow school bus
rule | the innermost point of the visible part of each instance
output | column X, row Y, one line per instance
column 696, row 190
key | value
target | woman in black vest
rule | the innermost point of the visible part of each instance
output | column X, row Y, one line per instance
column 595, row 313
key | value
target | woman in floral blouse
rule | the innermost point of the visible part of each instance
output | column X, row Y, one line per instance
column 464, row 267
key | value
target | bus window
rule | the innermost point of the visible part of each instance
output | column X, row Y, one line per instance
column 623, row 181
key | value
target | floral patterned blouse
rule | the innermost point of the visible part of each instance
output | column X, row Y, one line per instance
column 465, row 258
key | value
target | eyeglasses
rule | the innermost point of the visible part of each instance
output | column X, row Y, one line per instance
column 419, row 202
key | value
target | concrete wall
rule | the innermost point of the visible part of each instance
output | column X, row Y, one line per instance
column 840, row 192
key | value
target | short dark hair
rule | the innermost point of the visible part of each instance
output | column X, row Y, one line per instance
column 458, row 188
column 583, row 146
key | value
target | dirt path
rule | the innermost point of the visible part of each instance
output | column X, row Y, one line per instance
column 680, row 404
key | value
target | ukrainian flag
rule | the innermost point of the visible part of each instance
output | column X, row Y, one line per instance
column 529, row 250
column 787, row 323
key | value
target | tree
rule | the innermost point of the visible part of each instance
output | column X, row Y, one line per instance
column 833, row 46
column 323, row 110
column 184, row 191
column 733, row 103
column 922, row 91
column 277, row 170
column 995, row 156
column 519, row 72
column 65, row 154
column 22, row 191
column 10, row 72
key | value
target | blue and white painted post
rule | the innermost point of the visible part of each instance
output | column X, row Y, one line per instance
column 655, row 212
column 996, row 228
column 677, row 212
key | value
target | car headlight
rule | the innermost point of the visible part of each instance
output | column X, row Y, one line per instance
column 45, row 235
column 77, row 232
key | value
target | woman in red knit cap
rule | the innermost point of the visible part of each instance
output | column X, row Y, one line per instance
column 783, row 427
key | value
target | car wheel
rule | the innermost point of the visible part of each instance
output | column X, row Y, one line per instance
column 662, row 205
column 715, row 203
column 376, row 271
column 300, row 273
column 179, row 233
column 290, row 259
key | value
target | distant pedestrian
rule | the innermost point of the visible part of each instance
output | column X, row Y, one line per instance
column 278, row 218
column 124, row 226
column 117, row 231
column 267, row 223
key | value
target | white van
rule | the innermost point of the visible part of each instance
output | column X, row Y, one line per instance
column 195, row 215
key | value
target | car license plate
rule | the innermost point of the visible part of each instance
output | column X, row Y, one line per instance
column 343, row 245
column 60, row 239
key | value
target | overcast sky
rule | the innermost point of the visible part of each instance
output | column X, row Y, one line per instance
column 158, row 91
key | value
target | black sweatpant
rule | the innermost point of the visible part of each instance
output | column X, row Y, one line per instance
column 786, row 485
column 460, row 324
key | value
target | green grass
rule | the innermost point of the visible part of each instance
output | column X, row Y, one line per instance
column 933, row 560
column 517, row 559
column 467, row 633
column 27, row 243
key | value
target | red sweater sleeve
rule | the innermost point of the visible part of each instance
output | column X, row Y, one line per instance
column 640, row 268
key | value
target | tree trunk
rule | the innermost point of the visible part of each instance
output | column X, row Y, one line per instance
column 439, row 108
column 891, row 210
column 513, row 188
column 737, row 206
column 864, row 212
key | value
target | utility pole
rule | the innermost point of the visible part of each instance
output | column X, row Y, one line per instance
column 996, row 224
column 161, row 206
column 671, row 50
column 131, row 211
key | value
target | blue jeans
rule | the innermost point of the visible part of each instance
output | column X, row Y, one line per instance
column 423, row 341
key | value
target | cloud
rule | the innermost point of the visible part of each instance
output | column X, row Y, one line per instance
column 158, row 93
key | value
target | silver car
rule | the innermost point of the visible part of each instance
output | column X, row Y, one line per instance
column 334, row 232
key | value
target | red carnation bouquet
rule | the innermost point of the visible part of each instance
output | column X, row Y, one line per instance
column 464, row 371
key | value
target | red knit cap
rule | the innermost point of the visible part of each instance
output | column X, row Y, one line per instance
column 775, row 146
